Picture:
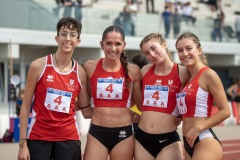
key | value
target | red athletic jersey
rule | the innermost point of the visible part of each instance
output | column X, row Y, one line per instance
column 109, row 89
column 53, row 106
column 159, row 92
column 238, row 91
column 193, row 101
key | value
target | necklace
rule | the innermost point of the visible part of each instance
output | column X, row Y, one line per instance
column 61, row 68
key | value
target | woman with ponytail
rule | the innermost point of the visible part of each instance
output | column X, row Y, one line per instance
column 114, row 87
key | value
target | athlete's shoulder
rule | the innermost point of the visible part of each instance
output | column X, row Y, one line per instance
column 36, row 68
column 134, row 71
column 80, row 68
column 133, row 67
column 146, row 68
column 184, row 74
column 38, row 63
column 90, row 63
column 209, row 74
column 89, row 66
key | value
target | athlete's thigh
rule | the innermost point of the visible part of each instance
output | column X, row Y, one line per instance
column 67, row 150
column 94, row 149
column 123, row 150
column 170, row 152
column 187, row 157
column 39, row 150
column 140, row 153
column 208, row 149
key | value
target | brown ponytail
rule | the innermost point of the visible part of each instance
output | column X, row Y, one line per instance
column 124, row 62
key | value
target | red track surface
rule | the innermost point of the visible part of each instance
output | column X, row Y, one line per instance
column 231, row 149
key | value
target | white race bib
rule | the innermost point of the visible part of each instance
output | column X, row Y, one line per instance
column 109, row 88
column 181, row 104
column 156, row 96
column 58, row 100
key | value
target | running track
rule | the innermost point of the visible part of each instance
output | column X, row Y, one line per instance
column 231, row 149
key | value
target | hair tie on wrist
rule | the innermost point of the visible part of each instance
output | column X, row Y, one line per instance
column 84, row 107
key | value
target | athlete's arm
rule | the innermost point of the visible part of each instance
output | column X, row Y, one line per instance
column 89, row 67
column 215, row 87
column 34, row 72
column 135, row 74
column 83, row 98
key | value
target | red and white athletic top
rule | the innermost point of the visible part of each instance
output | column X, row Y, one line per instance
column 53, row 106
column 238, row 92
column 159, row 92
column 109, row 89
column 193, row 101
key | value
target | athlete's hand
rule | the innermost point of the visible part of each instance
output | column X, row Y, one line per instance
column 192, row 135
column 76, row 105
column 23, row 153
column 177, row 121
column 135, row 117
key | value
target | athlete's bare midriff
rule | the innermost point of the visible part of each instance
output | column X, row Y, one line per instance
column 111, row 117
column 156, row 122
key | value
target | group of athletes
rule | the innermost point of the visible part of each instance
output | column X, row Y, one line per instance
column 106, row 88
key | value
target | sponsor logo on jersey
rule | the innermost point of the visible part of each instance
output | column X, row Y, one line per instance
column 158, row 82
column 161, row 141
column 190, row 85
column 50, row 78
column 122, row 134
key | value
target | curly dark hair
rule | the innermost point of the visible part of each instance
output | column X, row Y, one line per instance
column 71, row 23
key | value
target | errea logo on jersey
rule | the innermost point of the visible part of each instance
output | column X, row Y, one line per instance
column 122, row 134
column 158, row 82
column 189, row 86
column 50, row 78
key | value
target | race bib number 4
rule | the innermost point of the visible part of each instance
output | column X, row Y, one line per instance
column 181, row 104
column 58, row 100
column 156, row 96
column 109, row 88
